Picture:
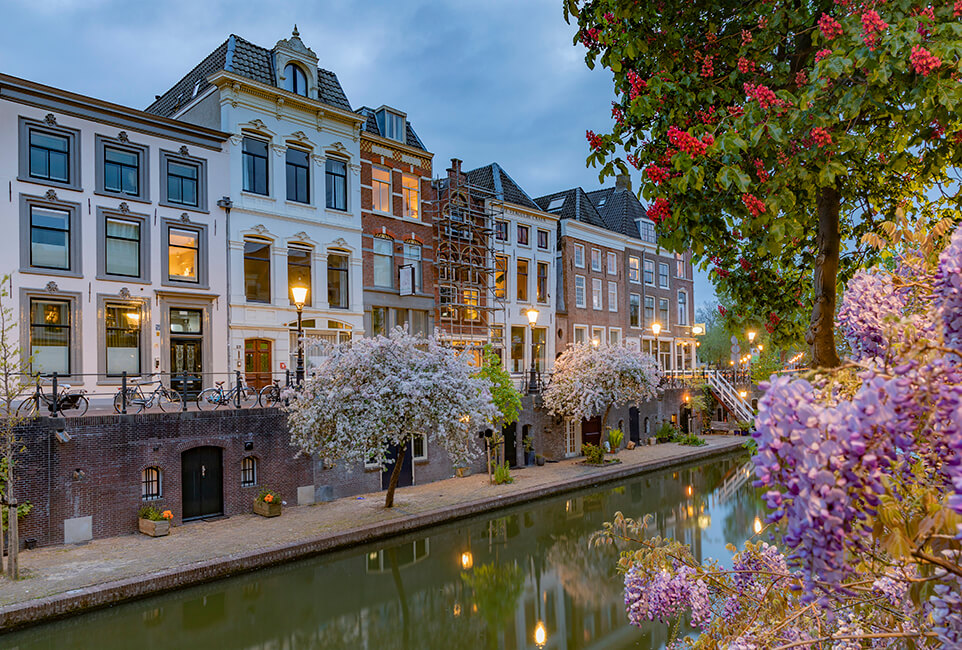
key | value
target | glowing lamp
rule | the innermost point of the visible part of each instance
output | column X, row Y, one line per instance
column 698, row 329
column 300, row 295
column 656, row 328
column 751, row 335
column 467, row 560
column 540, row 634
column 532, row 316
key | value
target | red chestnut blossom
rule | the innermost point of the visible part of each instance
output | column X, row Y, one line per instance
column 707, row 67
column 609, row 18
column 617, row 114
column 821, row 54
column 686, row 142
column 924, row 61
column 594, row 140
column 637, row 84
column 722, row 273
column 747, row 35
column 872, row 26
column 632, row 161
column 821, row 137
column 589, row 37
column 801, row 78
column 762, row 22
column 760, row 170
column 830, row 27
column 722, row 310
column 958, row 9
column 745, row 66
column 745, row 264
column 762, row 94
column 659, row 211
column 656, row 174
column 755, row 206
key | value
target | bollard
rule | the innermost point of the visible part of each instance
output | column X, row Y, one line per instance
column 54, row 406
column 287, row 374
column 237, row 385
column 183, row 392
column 123, row 392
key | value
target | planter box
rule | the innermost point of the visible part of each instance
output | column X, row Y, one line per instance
column 154, row 528
column 265, row 509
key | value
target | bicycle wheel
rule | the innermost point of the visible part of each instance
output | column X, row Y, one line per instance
column 28, row 407
column 81, row 407
column 269, row 396
column 248, row 397
column 134, row 404
column 209, row 399
column 169, row 399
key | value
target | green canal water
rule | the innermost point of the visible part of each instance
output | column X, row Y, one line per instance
column 491, row 582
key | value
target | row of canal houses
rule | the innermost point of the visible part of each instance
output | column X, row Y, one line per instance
column 166, row 241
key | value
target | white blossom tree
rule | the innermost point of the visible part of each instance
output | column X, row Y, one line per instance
column 374, row 395
column 590, row 380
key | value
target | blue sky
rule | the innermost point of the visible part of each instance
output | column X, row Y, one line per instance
column 497, row 80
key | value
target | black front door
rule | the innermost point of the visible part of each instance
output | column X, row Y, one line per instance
column 686, row 419
column 633, row 430
column 510, row 434
column 591, row 431
column 185, row 365
column 406, row 477
column 202, row 478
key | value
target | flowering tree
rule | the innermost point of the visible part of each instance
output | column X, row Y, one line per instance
column 588, row 381
column 773, row 133
column 863, row 467
column 372, row 396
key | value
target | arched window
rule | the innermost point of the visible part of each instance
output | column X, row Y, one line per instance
column 150, row 483
column 295, row 80
column 248, row 471
column 647, row 428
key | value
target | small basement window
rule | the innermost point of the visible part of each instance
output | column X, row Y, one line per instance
column 150, row 483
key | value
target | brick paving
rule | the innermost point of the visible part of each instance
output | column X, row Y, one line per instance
column 63, row 573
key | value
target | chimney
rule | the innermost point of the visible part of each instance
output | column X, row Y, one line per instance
column 623, row 182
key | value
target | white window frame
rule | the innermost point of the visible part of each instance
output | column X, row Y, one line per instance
column 682, row 308
column 583, row 330
column 641, row 311
column 547, row 239
column 579, row 253
column 598, row 333
column 634, row 271
column 611, row 262
column 649, row 264
column 374, row 189
column 507, row 230
column 612, row 332
column 596, row 259
column 527, row 229
column 597, row 297
column 406, row 192
column 423, row 456
column 583, row 303
column 666, row 312
column 612, row 296
column 664, row 279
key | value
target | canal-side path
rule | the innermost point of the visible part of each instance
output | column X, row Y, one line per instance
column 61, row 580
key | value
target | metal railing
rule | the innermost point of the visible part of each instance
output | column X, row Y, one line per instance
column 729, row 396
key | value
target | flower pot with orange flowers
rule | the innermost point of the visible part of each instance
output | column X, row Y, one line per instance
column 268, row 504
column 154, row 522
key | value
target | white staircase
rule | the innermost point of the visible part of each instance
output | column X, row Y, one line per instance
column 729, row 397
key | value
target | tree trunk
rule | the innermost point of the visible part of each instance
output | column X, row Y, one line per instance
column 402, row 597
column 604, row 426
column 13, row 559
column 821, row 330
column 395, row 475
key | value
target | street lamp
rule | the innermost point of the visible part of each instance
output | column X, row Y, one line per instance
column 751, row 335
column 300, row 297
column 595, row 342
column 656, row 330
column 533, row 380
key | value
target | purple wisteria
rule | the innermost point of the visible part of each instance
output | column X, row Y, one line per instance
column 869, row 308
column 662, row 595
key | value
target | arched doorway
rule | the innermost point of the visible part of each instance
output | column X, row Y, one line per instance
column 684, row 418
column 202, row 482
column 633, row 430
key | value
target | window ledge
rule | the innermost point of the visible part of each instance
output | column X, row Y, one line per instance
column 259, row 197
column 182, row 206
column 124, row 197
column 298, row 204
column 123, row 278
column 48, row 183
column 64, row 273
column 339, row 213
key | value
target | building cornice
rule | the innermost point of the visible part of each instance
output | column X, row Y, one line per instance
column 394, row 144
column 520, row 209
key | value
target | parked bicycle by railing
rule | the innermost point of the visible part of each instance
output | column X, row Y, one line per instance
column 163, row 397
column 61, row 398
column 270, row 395
column 240, row 396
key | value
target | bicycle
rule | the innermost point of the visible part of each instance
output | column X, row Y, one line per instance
column 217, row 397
column 161, row 395
column 64, row 401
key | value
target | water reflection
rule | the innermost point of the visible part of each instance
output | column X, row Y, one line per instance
column 523, row 579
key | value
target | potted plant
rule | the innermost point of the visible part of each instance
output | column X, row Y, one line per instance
column 616, row 437
column 151, row 521
column 268, row 503
column 528, row 450
column 539, row 460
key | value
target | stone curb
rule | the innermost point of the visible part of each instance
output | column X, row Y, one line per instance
column 111, row 593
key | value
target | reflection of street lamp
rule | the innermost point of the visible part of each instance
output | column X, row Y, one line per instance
column 533, row 381
column 540, row 634
column 758, row 525
column 467, row 560
column 300, row 297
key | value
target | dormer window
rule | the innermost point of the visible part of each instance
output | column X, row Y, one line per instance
column 391, row 125
column 295, row 80
column 556, row 204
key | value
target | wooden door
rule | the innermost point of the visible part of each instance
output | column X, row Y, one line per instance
column 202, row 482
column 186, row 365
column 406, row 476
column 510, row 434
column 591, row 431
column 257, row 362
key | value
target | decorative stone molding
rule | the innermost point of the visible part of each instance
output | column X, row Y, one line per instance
column 340, row 243
column 185, row 217
column 122, row 136
column 356, row 169
column 184, row 151
column 279, row 149
column 259, row 229
column 339, row 148
column 50, row 119
column 51, row 195
column 124, row 208
column 318, row 160
column 52, row 287
column 236, row 140
column 124, row 293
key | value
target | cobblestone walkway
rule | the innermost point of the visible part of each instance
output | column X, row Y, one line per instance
column 69, row 571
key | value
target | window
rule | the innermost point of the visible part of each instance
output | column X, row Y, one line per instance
column 299, row 271
column 634, row 269
column 538, row 337
column 682, row 308
column 298, row 176
column 579, row 256
column 501, row 230
column 580, row 289
column 50, row 335
column 381, row 190
column 336, row 184
column 257, row 270
column 663, row 275
column 419, row 446
column 647, row 231
column 419, row 322
column 542, row 285
column 122, row 324
column 556, row 203
column 612, row 263
column 595, row 259
column 49, row 238
column 446, row 300
column 472, row 299
column 522, row 235
column 121, row 171
column 150, row 483
column 663, row 312
column 596, row 297
column 612, row 296
column 254, row 161
column 181, row 183
column 248, row 471
column 517, row 348
column 337, row 294
column 122, row 247
column 500, row 276
column 598, row 334
column 295, row 80
column 49, row 156
column 649, row 310
column 679, row 266
column 411, row 196
column 650, row 272
column 634, row 310
column 581, row 334
column 186, row 258
column 383, row 262
column 543, row 239
column 614, row 336
column 522, row 280
column 391, row 125
column 379, row 321
column 412, row 257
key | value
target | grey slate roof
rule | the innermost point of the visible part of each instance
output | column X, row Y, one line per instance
column 411, row 137
column 493, row 178
column 244, row 58
column 576, row 206
column 619, row 208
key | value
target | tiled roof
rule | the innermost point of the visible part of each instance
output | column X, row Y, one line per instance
column 493, row 178
column 412, row 139
column 620, row 209
column 576, row 206
column 244, row 58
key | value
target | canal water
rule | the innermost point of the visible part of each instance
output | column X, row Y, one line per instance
column 504, row 581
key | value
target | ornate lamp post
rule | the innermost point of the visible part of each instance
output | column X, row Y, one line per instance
column 533, row 379
column 656, row 330
column 300, row 297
